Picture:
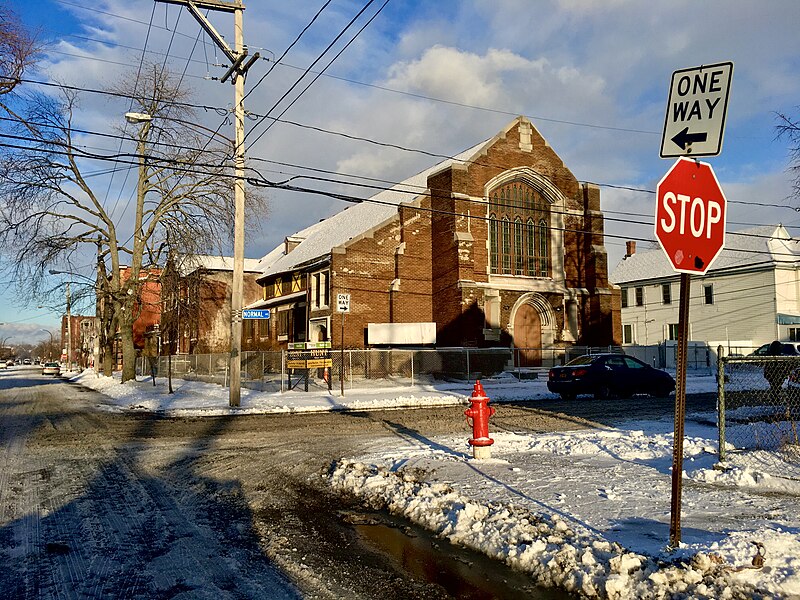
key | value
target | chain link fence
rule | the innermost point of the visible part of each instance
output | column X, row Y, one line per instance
column 267, row 371
column 759, row 405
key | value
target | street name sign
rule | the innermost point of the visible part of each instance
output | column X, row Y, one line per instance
column 698, row 103
column 251, row 313
column 690, row 216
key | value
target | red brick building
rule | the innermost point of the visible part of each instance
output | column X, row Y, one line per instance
column 196, row 305
column 499, row 246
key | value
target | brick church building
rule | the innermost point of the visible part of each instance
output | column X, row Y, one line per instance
column 498, row 246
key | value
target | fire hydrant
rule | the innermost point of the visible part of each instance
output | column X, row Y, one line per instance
column 479, row 412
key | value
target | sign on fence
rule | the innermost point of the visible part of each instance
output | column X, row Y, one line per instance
column 309, row 355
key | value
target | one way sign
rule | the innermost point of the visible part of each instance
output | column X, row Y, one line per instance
column 695, row 119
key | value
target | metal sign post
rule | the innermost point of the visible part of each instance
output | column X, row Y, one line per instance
column 680, row 412
column 343, row 307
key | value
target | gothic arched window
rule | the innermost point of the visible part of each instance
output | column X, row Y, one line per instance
column 519, row 231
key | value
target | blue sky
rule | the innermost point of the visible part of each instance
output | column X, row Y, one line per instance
column 592, row 75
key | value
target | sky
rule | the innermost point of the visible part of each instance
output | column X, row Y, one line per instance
column 604, row 527
column 437, row 77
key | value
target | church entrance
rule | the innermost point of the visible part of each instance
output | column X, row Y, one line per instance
column 527, row 337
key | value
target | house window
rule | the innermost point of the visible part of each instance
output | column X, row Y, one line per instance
column 672, row 334
column 794, row 334
column 320, row 294
column 708, row 292
column 666, row 293
column 624, row 297
column 627, row 334
column 639, row 296
column 519, row 231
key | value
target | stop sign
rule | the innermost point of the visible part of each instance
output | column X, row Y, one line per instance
column 690, row 216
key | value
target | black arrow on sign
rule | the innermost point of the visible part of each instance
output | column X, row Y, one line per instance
column 684, row 138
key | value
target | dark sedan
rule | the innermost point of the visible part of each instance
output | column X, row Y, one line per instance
column 607, row 375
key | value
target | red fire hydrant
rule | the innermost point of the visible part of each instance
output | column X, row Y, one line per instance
column 479, row 412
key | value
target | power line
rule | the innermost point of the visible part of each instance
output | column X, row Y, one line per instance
column 390, row 145
column 260, row 181
column 316, row 60
column 285, row 52
column 338, row 54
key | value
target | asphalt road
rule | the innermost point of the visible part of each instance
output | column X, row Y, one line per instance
column 102, row 504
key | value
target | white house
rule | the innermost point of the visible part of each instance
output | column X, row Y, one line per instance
column 749, row 297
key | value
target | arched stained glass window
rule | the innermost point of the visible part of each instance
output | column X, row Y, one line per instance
column 530, row 246
column 506, row 246
column 519, row 231
column 544, row 243
column 519, row 245
column 494, row 246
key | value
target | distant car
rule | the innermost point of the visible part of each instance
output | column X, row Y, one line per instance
column 787, row 349
column 26, row 361
column 607, row 375
column 9, row 363
column 51, row 368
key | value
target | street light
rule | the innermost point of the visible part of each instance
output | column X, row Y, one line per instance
column 136, row 118
column 50, row 348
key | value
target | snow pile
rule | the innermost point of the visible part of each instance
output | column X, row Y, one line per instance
column 546, row 546
column 588, row 511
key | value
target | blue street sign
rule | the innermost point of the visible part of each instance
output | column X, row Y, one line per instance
column 255, row 313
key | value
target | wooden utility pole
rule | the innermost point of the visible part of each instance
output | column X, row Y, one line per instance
column 236, row 72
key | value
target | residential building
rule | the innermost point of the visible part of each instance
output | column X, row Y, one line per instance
column 196, row 305
column 500, row 246
column 749, row 297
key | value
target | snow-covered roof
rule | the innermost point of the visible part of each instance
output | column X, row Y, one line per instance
column 764, row 246
column 318, row 239
column 215, row 263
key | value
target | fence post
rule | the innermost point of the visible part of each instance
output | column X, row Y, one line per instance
column 412, row 367
column 721, row 402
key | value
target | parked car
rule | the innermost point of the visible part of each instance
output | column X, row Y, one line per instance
column 787, row 349
column 607, row 375
column 51, row 368
column 9, row 363
column 26, row 361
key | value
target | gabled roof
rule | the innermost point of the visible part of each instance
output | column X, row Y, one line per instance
column 214, row 263
column 762, row 247
column 320, row 238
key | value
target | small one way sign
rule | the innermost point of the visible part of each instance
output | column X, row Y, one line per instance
column 696, row 110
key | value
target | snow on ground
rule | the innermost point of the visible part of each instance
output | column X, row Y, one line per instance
column 587, row 511
column 199, row 398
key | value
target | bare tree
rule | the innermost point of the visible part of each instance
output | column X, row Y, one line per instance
column 17, row 50
column 52, row 214
column 790, row 128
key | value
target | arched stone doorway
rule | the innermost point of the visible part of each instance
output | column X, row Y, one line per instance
column 528, row 337
column 532, row 328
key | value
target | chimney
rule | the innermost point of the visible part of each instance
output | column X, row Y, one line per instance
column 630, row 248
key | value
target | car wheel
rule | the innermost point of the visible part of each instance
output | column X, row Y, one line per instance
column 568, row 396
column 603, row 392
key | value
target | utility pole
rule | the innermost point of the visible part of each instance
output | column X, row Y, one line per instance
column 69, row 330
column 237, row 72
